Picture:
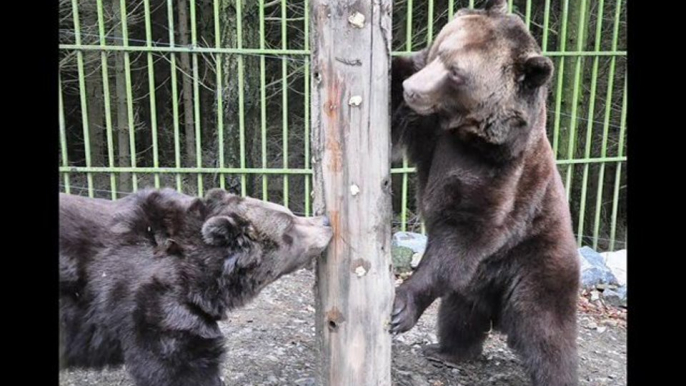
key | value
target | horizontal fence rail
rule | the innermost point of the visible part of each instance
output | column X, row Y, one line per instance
column 196, row 94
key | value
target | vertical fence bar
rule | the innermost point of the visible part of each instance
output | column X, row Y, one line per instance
column 451, row 9
column 129, row 92
column 284, row 99
column 151, row 87
column 63, row 136
column 589, row 127
column 471, row 3
column 618, row 173
column 510, row 5
column 571, row 148
column 220, row 94
column 307, row 107
column 241, row 92
column 175, row 103
column 606, row 125
column 546, row 24
column 430, row 23
column 528, row 14
column 263, row 107
column 82, row 94
column 196, row 97
column 403, row 196
column 560, row 76
column 106, row 95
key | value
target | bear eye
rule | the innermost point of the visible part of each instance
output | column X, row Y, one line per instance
column 150, row 235
column 457, row 76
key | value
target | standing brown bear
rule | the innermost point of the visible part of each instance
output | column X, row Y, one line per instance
column 470, row 113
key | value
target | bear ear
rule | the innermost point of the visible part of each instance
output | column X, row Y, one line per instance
column 214, row 199
column 216, row 194
column 418, row 59
column 402, row 68
column 227, row 231
column 198, row 208
column 536, row 71
column 464, row 12
column 496, row 6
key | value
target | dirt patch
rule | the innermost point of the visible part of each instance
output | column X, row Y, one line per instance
column 272, row 342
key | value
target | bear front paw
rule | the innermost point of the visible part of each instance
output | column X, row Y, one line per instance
column 405, row 314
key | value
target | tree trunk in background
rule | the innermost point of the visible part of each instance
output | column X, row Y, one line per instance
column 121, row 121
column 251, row 90
column 95, row 110
column 96, row 119
column 187, row 84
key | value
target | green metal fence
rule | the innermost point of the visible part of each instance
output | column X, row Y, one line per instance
column 195, row 94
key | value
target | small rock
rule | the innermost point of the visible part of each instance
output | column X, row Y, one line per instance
column 595, row 295
column 401, row 338
column 601, row 329
column 414, row 241
column 418, row 380
column 616, row 262
column 402, row 259
column 616, row 298
column 496, row 378
column 416, row 258
column 305, row 382
column 593, row 269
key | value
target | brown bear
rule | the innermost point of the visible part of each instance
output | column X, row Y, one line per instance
column 144, row 279
column 470, row 113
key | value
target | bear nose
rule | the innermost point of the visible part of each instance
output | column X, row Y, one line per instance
column 325, row 221
column 408, row 92
column 410, row 95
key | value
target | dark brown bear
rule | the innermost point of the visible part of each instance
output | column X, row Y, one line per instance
column 144, row 279
column 470, row 113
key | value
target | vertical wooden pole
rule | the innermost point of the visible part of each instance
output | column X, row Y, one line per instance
column 351, row 155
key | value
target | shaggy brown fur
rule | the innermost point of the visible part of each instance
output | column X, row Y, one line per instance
column 144, row 279
column 470, row 112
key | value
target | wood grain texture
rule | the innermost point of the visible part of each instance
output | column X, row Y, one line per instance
column 350, row 43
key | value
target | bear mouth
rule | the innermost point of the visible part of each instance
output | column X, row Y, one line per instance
column 422, row 109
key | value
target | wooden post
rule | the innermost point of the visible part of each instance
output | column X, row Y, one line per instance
column 352, row 180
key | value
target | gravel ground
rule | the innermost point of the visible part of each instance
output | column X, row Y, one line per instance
column 272, row 342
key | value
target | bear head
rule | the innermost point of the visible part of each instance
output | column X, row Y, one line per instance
column 484, row 75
